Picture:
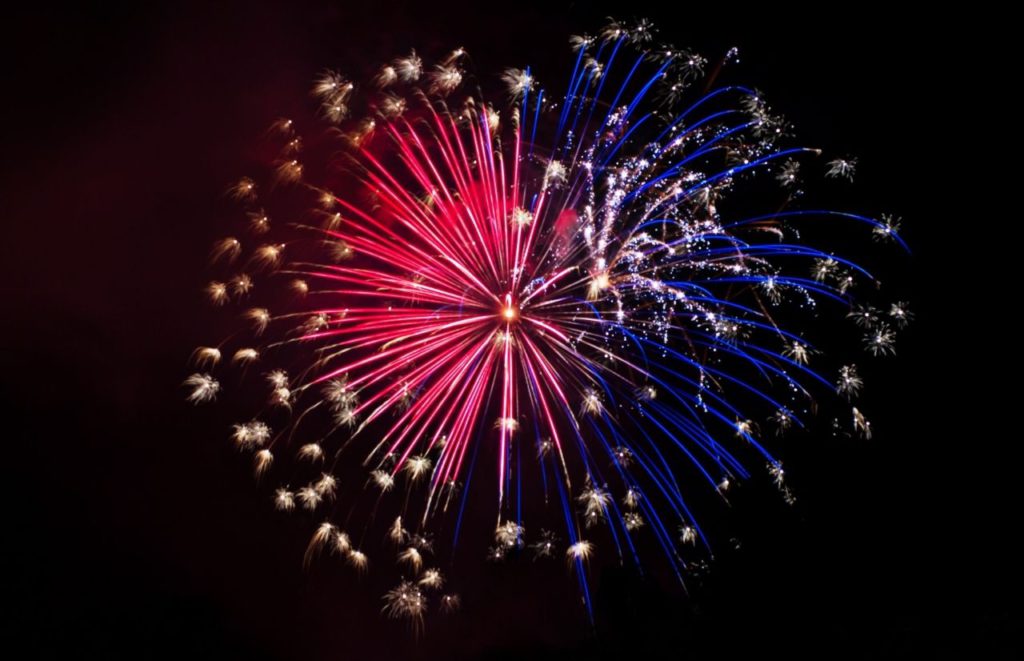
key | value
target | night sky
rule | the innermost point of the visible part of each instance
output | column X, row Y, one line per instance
column 131, row 526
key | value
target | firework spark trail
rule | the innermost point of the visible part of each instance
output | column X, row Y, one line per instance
column 554, row 271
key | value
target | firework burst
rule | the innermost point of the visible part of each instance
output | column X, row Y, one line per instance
column 555, row 293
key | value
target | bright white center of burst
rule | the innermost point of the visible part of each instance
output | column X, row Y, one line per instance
column 509, row 311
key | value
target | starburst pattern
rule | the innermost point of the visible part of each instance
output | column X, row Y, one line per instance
column 558, row 288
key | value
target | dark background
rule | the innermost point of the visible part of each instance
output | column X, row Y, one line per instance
column 131, row 528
